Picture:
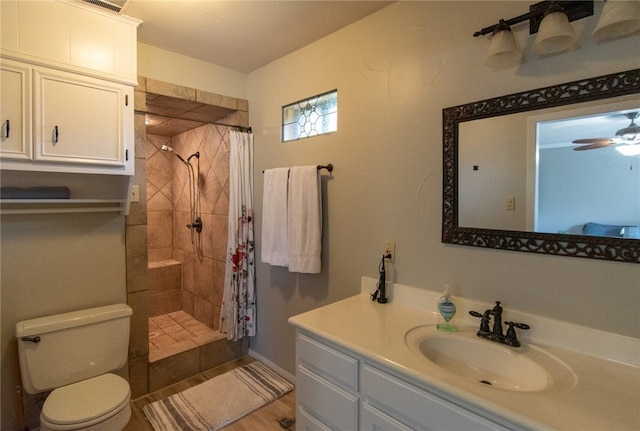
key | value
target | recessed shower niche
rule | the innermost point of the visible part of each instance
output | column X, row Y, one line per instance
column 187, row 187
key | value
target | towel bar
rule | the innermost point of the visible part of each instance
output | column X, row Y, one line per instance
column 328, row 167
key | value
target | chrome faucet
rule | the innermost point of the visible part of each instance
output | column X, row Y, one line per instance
column 497, row 334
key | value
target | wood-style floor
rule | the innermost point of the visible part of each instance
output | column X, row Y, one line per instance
column 267, row 418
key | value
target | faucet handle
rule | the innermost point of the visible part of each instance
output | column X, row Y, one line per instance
column 484, row 322
column 511, row 338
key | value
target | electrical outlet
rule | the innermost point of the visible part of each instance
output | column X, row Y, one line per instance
column 390, row 251
column 135, row 193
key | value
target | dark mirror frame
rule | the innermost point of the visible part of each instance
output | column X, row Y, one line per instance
column 586, row 90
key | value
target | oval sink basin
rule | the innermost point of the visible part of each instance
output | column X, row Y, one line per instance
column 474, row 359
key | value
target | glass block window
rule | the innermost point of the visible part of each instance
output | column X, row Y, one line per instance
column 314, row 116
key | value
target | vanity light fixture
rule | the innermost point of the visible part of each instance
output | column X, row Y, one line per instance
column 503, row 52
column 619, row 18
column 550, row 19
column 555, row 34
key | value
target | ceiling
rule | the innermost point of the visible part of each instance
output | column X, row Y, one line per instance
column 238, row 34
column 242, row 35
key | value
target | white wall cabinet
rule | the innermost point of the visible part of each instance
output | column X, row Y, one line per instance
column 80, row 120
column 70, row 35
column 80, row 123
column 68, row 72
column 337, row 390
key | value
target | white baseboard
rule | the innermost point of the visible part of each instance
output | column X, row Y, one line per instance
column 290, row 377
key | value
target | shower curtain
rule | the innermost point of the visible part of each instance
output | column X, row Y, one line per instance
column 237, row 316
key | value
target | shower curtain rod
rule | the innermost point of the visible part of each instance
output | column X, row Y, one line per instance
column 328, row 167
column 234, row 126
column 237, row 128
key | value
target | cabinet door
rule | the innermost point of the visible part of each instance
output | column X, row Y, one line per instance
column 15, row 92
column 71, row 36
column 79, row 120
column 43, row 29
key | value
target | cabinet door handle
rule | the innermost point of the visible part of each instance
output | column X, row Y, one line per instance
column 55, row 134
column 7, row 128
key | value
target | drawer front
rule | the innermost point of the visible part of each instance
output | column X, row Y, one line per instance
column 332, row 364
column 326, row 401
column 374, row 420
column 306, row 422
column 410, row 404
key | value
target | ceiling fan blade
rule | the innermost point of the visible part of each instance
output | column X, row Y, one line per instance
column 593, row 141
column 593, row 146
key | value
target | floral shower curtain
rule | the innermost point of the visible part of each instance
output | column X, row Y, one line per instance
column 237, row 317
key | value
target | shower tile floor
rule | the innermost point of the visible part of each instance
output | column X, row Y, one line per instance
column 177, row 332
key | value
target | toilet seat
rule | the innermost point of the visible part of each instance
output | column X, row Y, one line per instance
column 86, row 403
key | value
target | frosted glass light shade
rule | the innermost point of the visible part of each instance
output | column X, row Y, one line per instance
column 555, row 34
column 618, row 18
column 503, row 52
column 629, row 150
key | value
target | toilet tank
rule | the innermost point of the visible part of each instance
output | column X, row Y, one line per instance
column 72, row 346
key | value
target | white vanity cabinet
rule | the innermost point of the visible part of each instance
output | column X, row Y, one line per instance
column 337, row 390
column 326, row 387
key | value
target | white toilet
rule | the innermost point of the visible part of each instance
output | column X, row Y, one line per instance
column 73, row 354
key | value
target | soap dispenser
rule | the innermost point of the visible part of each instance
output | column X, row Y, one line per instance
column 446, row 311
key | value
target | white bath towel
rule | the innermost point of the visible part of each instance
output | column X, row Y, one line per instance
column 305, row 220
column 275, row 248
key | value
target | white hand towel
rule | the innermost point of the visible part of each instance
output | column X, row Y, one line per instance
column 275, row 248
column 305, row 220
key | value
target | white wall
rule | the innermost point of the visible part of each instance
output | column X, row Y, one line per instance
column 395, row 71
column 587, row 186
column 179, row 69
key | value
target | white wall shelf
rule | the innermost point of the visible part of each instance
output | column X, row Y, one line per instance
column 53, row 206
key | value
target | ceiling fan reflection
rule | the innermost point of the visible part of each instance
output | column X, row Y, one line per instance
column 629, row 135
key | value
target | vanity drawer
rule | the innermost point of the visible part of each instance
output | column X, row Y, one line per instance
column 306, row 422
column 325, row 401
column 417, row 407
column 374, row 420
column 332, row 364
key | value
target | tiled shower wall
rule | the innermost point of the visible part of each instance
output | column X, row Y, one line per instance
column 168, row 213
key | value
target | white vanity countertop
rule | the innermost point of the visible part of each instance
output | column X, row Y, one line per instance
column 605, row 397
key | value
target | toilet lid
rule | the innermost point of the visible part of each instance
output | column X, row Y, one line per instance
column 86, row 400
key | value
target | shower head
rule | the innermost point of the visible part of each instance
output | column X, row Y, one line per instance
column 168, row 148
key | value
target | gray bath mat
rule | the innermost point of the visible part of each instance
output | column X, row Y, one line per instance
column 217, row 402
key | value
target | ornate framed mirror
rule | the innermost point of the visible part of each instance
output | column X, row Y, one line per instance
column 584, row 96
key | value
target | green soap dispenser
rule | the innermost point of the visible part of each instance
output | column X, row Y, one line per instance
column 446, row 311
